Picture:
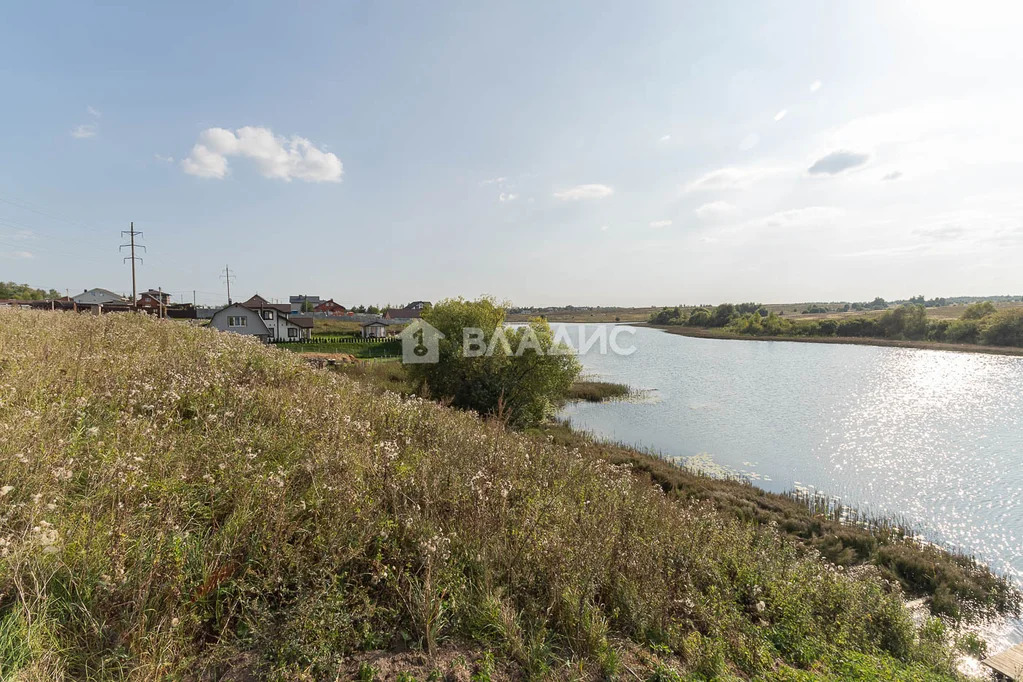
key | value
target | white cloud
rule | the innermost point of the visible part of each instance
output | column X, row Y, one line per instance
column 837, row 161
column 604, row 228
column 94, row 112
column 493, row 181
column 83, row 131
column 894, row 175
column 287, row 159
column 749, row 142
column 715, row 210
column 507, row 196
column 580, row 192
column 815, row 86
column 665, row 138
column 781, row 114
column 808, row 216
column 660, row 223
column 17, row 255
column 165, row 159
column 730, row 178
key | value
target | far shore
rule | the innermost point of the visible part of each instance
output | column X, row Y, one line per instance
column 701, row 333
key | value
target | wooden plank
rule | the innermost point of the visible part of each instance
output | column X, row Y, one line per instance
column 1008, row 663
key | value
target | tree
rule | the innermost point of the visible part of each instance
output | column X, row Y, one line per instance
column 977, row 311
column 24, row 292
column 1004, row 329
column 373, row 310
column 722, row 315
column 699, row 318
column 877, row 304
column 307, row 306
column 517, row 374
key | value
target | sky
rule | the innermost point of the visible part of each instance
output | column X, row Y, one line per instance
column 545, row 153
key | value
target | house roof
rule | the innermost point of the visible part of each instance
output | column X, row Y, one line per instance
column 304, row 322
column 100, row 290
column 403, row 313
column 256, row 302
column 374, row 323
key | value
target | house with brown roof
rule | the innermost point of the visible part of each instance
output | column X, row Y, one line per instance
column 152, row 300
column 330, row 307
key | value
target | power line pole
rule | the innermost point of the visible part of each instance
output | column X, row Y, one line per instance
column 227, row 277
column 131, row 232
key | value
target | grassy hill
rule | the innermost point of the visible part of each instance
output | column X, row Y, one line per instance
column 178, row 503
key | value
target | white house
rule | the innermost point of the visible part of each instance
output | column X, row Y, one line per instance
column 271, row 322
column 374, row 330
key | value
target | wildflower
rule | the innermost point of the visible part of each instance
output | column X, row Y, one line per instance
column 5, row 490
column 174, row 622
column 761, row 606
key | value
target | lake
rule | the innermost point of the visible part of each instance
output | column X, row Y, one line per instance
column 933, row 437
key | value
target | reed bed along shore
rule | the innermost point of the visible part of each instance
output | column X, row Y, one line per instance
column 178, row 503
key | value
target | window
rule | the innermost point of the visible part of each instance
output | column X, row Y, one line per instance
column 239, row 321
column 292, row 333
column 268, row 314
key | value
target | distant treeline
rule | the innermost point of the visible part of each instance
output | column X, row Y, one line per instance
column 24, row 292
column 980, row 323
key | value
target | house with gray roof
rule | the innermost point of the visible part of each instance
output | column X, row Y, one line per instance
column 99, row 296
column 270, row 322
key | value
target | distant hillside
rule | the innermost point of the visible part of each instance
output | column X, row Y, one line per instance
column 178, row 503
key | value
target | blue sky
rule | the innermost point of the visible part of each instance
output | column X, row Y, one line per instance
column 545, row 153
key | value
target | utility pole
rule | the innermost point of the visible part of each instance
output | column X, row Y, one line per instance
column 227, row 276
column 193, row 298
column 131, row 232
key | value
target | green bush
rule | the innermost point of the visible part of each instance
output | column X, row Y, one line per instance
column 520, row 374
column 1004, row 328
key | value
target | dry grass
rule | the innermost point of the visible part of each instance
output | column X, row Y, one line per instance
column 184, row 504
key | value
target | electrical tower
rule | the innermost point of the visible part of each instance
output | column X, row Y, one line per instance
column 227, row 277
column 131, row 232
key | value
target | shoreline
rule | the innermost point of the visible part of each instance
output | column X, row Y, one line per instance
column 701, row 333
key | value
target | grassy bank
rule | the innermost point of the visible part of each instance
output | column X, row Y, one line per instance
column 185, row 504
column 597, row 391
column 704, row 333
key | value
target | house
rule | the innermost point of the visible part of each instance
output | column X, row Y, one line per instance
column 152, row 300
column 374, row 330
column 330, row 308
column 271, row 322
column 413, row 311
column 99, row 296
column 303, row 303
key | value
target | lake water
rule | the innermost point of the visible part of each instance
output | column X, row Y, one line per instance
column 934, row 437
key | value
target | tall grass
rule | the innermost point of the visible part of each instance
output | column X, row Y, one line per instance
column 179, row 503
